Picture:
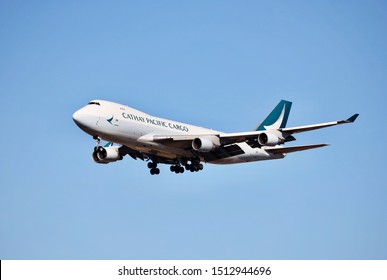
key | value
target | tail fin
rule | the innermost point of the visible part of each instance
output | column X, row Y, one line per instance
column 277, row 118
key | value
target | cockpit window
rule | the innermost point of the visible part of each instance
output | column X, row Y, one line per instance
column 94, row 103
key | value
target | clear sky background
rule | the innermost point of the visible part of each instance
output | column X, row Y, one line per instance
column 219, row 64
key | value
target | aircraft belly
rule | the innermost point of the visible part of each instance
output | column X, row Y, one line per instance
column 160, row 151
column 152, row 148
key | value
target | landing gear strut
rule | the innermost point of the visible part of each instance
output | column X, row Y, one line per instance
column 97, row 140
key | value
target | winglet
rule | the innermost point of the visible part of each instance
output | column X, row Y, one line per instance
column 353, row 118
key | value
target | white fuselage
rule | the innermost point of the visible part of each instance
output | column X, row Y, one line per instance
column 124, row 125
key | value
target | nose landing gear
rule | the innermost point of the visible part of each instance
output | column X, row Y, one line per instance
column 97, row 141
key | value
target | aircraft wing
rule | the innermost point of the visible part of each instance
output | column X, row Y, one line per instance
column 292, row 130
column 185, row 141
column 225, row 138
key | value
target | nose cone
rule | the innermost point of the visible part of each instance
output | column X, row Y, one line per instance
column 87, row 119
column 84, row 119
column 77, row 117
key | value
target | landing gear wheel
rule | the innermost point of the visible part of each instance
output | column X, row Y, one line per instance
column 177, row 169
column 155, row 171
column 195, row 166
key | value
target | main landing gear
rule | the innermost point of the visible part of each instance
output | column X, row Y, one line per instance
column 177, row 169
column 153, row 168
column 193, row 166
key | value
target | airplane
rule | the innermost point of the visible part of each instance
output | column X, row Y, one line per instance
column 184, row 146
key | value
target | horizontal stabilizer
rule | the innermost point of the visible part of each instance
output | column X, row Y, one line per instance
column 285, row 150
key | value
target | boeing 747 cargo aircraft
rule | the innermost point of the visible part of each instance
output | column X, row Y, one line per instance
column 184, row 146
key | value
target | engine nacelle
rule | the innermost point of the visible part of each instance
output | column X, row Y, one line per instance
column 206, row 143
column 269, row 139
column 106, row 155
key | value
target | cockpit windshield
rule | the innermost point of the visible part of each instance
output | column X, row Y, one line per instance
column 94, row 103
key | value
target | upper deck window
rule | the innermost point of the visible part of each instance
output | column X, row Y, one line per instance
column 94, row 103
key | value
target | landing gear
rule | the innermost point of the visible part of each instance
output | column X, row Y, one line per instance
column 155, row 171
column 194, row 166
column 153, row 168
column 97, row 149
column 191, row 165
column 177, row 169
column 98, row 140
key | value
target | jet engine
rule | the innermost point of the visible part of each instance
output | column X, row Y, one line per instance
column 106, row 155
column 269, row 139
column 206, row 143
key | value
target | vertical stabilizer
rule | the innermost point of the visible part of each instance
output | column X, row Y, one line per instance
column 277, row 118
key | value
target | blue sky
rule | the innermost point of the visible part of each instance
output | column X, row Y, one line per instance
column 218, row 64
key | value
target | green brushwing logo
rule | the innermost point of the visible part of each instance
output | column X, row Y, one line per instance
column 110, row 120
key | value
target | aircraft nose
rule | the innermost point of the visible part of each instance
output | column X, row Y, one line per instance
column 85, row 119
column 77, row 117
column 82, row 118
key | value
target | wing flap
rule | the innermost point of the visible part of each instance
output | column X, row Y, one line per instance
column 223, row 152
